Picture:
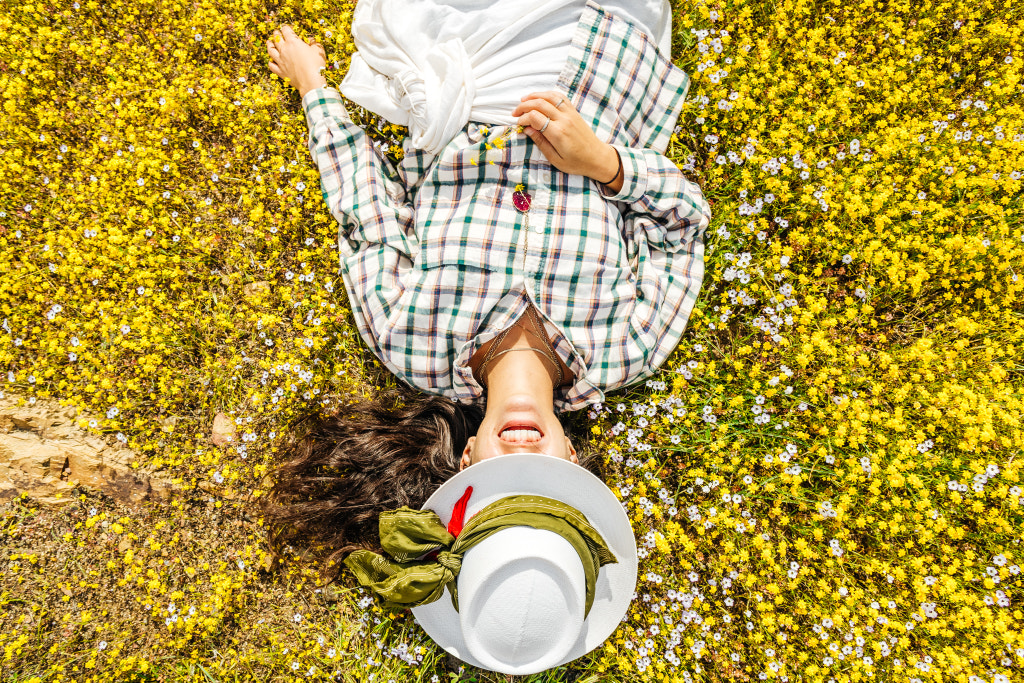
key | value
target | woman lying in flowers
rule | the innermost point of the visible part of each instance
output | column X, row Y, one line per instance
column 526, row 255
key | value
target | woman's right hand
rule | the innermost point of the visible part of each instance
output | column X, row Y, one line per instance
column 298, row 62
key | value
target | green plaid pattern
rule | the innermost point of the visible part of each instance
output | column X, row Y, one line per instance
column 436, row 259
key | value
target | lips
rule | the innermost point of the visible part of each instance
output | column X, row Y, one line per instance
column 520, row 433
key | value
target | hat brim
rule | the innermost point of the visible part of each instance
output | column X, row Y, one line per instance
column 542, row 475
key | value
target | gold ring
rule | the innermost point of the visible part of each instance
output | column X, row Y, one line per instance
column 560, row 103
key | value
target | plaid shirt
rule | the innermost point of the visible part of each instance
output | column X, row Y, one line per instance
column 437, row 260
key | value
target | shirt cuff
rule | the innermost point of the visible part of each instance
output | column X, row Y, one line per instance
column 320, row 103
column 634, row 176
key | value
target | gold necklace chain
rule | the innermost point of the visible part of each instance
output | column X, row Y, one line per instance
column 547, row 352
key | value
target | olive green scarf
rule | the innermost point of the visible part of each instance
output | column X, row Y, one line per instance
column 407, row 534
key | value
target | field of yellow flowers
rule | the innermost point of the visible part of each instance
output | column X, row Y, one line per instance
column 825, row 479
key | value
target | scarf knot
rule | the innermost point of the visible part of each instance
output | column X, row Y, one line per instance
column 450, row 561
column 423, row 557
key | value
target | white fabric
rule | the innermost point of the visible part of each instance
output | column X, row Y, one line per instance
column 434, row 66
column 522, row 593
column 551, row 477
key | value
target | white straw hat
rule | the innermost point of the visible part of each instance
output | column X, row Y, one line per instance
column 522, row 590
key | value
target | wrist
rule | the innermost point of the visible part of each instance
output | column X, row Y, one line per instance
column 617, row 169
column 311, row 83
column 609, row 166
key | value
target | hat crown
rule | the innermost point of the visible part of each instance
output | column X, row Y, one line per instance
column 538, row 475
column 522, row 593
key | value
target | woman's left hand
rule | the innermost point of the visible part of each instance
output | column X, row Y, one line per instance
column 564, row 137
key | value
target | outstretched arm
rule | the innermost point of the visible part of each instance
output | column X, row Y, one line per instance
column 363, row 191
column 365, row 194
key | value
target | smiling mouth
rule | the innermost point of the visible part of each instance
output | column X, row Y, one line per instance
column 520, row 434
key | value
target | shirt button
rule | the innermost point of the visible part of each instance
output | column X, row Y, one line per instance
column 538, row 229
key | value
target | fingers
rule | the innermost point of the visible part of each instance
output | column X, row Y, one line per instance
column 552, row 96
column 534, row 121
column 541, row 105
column 273, row 53
column 546, row 148
column 558, row 102
column 286, row 33
column 319, row 48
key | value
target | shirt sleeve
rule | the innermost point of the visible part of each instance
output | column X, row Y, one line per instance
column 370, row 199
column 362, row 189
column 661, row 202
column 664, row 219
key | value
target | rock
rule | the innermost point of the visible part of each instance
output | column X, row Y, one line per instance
column 45, row 489
column 7, row 488
column 255, row 288
column 30, row 466
column 24, row 451
column 224, row 431
column 219, row 491
column 35, row 423
column 45, row 454
column 110, row 470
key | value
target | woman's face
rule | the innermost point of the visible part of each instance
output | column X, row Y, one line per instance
column 518, row 425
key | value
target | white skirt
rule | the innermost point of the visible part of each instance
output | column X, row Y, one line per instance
column 435, row 65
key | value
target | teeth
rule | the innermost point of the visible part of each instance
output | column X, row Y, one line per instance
column 520, row 435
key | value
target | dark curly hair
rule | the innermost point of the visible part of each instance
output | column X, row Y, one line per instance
column 337, row 473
